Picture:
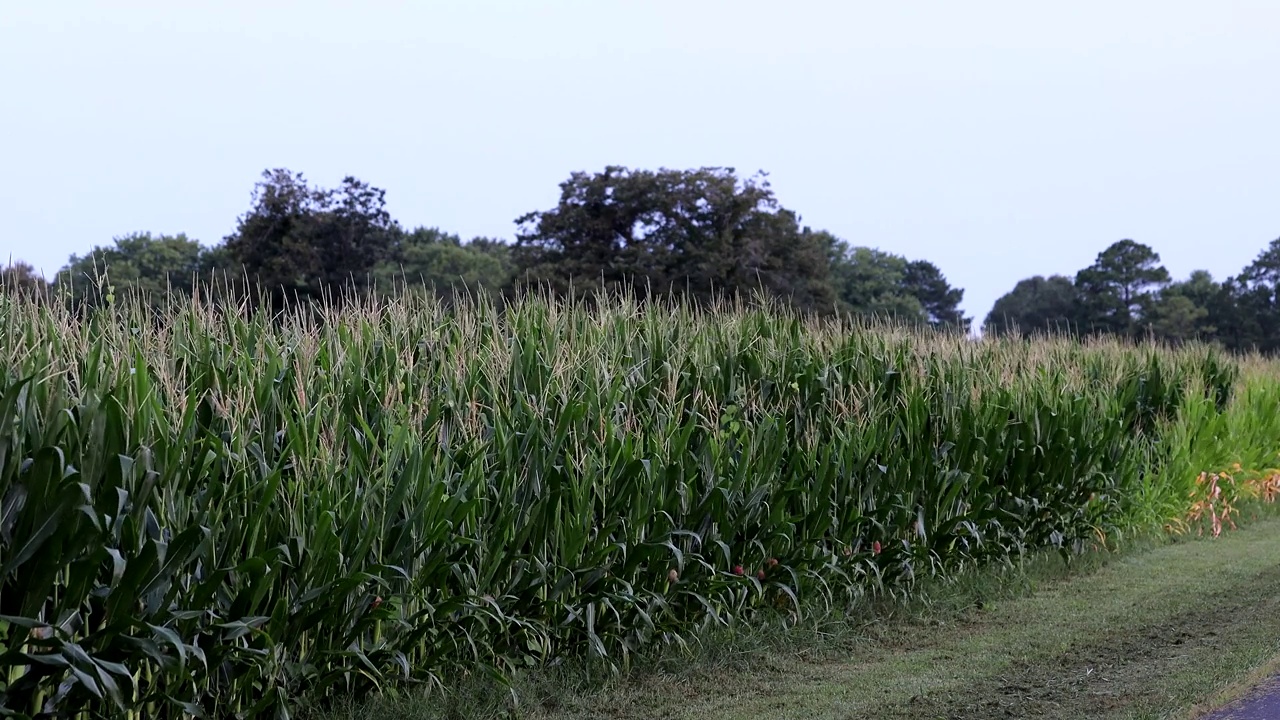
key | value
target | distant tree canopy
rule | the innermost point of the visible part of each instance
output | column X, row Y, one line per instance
column 872, row 282
column 703, row 232
column 1253, row 316
column 1036, row 305
column 940, row 301
column 20, row 277
column 153, row 266
column 429, row 259
column 1118, row 290
column 876, row 283
column 696, row 232
column 1127, row 292
column 299, row 241
column 1180, row 312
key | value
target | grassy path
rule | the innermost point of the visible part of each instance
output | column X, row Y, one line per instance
column 1148, row 635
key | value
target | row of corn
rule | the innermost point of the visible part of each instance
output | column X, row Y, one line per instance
column 209, row 511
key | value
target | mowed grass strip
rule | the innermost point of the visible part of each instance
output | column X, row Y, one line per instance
column 1149, row 634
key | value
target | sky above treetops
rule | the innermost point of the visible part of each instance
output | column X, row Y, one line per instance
column 997, row 140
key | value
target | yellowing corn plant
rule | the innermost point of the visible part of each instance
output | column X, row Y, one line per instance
column 210, row 511
column 1217, row 497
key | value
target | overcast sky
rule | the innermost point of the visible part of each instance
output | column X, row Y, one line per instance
column 997, row 139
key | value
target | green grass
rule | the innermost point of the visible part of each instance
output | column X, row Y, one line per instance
column 1156, row 630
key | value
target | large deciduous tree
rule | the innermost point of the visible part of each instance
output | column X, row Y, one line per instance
column 1035, row 305
column 698, row 232
column 302, row 241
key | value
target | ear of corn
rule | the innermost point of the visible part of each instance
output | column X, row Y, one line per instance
column 210, row 511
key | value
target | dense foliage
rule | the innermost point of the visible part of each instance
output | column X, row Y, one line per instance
column 697, row 234
column 208, row 506
column 694, row 233
column 1127, row 293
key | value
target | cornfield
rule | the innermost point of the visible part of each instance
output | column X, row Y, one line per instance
column 210, row 511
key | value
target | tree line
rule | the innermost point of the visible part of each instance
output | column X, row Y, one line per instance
column 701, row 233
column 1127, row 292
column 696, row 233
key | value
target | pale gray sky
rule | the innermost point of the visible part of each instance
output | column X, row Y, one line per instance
column 996, row 139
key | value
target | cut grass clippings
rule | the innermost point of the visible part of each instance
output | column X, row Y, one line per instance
column 1155, row 631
